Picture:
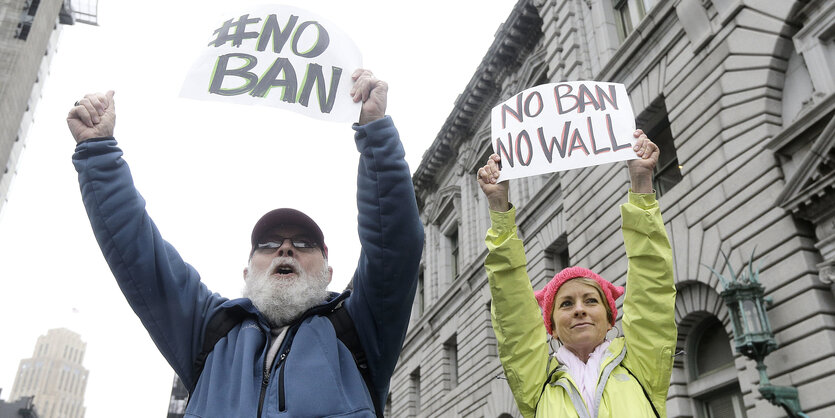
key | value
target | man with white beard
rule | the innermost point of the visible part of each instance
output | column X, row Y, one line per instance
column 276, row 281
column 277, row 352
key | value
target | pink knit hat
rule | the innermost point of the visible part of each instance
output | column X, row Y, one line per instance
column 545, row 297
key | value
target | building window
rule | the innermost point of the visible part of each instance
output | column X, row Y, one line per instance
column 25, row 25
column 451, row 357
column 668, row 169
column 445, row 215
column 655, row 123
column 815, row 42
column 32, row 7
column 556, row 257
column 714, row 386
column 712, row 350
column 797, row 89
column 452, row 239
column 722, row 405
column 628, row 14
column 419, row 298
column 23, row 30
column 415, row 389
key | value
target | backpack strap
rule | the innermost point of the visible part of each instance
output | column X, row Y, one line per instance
column 221, row 323
column 644, row 390
column 347, row 333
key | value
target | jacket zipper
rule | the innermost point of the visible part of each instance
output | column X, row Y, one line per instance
column 281, row 405
column 265, row 380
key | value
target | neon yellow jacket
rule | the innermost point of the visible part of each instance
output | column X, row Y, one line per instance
column 648, row 322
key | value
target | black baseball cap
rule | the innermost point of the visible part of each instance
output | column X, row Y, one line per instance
column 288, row 216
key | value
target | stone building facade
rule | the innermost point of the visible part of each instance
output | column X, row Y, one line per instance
column 179, row 399
column 54, row 376
column 29, row 33
column 740, row 95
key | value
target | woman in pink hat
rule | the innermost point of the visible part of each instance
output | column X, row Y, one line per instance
column 593, row 376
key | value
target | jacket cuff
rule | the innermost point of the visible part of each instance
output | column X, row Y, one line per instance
column 94, row 140
column 503, row 222
column 644, row 201
column 370, row 127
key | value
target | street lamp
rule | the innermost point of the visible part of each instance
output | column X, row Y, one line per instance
column 753, row 337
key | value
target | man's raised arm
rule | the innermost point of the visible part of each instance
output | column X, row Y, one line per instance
column 164, row 292
column 390, row 232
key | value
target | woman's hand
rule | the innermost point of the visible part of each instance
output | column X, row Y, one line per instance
column 641, row 170
column 496, row 192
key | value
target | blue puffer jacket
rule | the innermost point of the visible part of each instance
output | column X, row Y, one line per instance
column 317, row 375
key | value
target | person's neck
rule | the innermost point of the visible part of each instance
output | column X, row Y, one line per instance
column 582, row 353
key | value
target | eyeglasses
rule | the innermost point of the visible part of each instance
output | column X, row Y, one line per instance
column 276, row 242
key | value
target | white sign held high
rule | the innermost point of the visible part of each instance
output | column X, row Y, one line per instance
column 561, row 126
column 279, row 56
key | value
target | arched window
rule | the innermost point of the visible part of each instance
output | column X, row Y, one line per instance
column 713, row 383
column 712, row 349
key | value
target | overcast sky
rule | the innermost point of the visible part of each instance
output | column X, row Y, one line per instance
column 207, row 170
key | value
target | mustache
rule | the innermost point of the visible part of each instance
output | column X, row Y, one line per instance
column 286, row 261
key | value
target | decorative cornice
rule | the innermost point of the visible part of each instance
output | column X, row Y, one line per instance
column 801, row 124
column 815, row 202
column 809, row 191
column 514, row 40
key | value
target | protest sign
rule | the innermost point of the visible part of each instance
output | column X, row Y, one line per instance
column 561, row 126
column 279, row 56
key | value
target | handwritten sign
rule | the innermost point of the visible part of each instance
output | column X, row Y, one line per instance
column 278, row 56
column 562, row 126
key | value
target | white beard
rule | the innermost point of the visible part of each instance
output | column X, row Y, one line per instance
column 283, row 300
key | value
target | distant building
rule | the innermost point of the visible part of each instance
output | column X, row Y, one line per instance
column 29, row 31
column 740, row 96
column 54, row 375
column 179, row 399
column 22, row 408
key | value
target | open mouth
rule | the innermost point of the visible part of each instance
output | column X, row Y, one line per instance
column 284, row 269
